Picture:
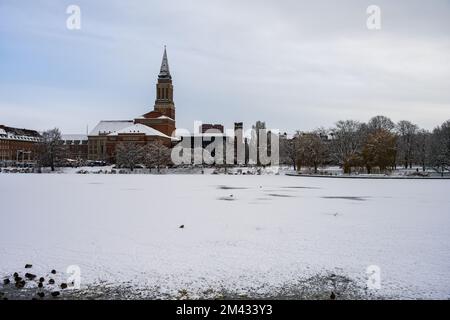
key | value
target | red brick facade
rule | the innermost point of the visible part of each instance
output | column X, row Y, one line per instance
column 18, row 145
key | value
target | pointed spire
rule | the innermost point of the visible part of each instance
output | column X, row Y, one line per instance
column 165, row 71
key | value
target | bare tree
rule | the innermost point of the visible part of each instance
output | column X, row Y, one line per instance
column 347, row 140
column 312, row 150
column 440, row 148
column 128, row 155
column 379, row 150
column 422, row 148
column 406, row 142
column 50, row 148
column 156, row 154
column 380, row 123
column 289, row 150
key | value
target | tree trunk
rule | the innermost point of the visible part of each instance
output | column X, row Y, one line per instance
column 347, row 168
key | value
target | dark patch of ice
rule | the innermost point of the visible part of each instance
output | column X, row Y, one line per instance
column 346, row 198
column 230, row 188
column 300, row 187
column 280, row 195
column 227, row 198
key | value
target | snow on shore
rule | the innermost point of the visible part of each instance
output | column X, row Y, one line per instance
column 240, row 231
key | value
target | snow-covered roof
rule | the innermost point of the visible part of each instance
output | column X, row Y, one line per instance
column 165, row 117
column 108, row 127
column 140, row 129
column 74, row 137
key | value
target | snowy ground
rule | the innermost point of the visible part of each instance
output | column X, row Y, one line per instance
column 257, row 236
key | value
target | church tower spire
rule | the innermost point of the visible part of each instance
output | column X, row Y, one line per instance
column 164, row 90
column 164, row 73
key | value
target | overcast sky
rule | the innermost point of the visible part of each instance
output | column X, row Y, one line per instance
column 294, row 64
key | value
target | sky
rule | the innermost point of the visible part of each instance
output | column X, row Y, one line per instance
column 297, row 65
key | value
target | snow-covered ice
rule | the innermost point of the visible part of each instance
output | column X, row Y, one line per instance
column 240, row 231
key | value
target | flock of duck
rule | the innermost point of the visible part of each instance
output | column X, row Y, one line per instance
column 45, row 286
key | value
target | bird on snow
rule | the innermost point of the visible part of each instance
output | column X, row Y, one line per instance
column 182, row 226
column 332, row 296
column 53, row 271
column 30, row 276
column 28, row 266
column 55, row 293
column 20, row 284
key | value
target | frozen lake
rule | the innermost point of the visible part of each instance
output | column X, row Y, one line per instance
column 248, row 234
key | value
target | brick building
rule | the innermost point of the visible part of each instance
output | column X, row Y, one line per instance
column 18, row 145
column 158, row 124
column 75, row 146
column 209, row 127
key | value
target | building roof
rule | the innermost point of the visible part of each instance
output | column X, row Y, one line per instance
column 9, row 133
column 164, row 73
column 74, row 137
column 140, row 129
column 108, row 127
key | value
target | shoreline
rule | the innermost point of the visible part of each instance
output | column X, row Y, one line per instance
column 366, row 177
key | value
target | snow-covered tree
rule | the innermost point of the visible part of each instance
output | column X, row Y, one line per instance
column 129, row 154
column 156, row 155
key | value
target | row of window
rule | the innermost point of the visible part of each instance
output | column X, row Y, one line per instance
column 20, row 138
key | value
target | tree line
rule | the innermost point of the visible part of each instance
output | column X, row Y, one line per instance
column 378, row 144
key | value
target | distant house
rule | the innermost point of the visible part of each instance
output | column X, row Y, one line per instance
column 18, row 145
column 75, row 146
